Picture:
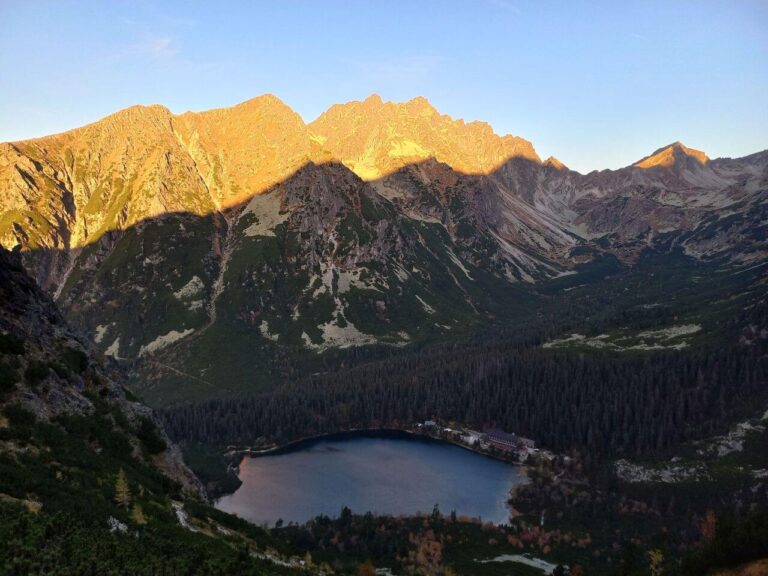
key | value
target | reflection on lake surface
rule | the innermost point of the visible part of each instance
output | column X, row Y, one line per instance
column 385, row 474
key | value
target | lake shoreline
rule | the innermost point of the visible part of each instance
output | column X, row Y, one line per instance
column 287, row 447
column 237, row 457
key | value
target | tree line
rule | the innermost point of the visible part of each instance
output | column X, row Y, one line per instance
column 601, row 404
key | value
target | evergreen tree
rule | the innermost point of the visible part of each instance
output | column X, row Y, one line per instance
column 122, row 492
column 137, row 515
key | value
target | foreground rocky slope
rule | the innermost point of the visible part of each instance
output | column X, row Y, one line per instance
column 245, row 235
column 89, row 484
column 48, row 374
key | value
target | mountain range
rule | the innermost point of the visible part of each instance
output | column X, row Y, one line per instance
column 222, row 251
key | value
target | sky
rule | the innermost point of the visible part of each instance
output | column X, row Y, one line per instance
column 596, row 84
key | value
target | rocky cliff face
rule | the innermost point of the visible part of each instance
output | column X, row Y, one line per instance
column 180, row 239
column 47, row 369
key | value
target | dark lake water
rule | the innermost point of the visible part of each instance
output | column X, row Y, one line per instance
column 384, row 474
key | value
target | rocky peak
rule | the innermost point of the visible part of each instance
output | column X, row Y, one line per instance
column 129, row 122
column 262, row 101
column 421, row 106
column 142, row 111
column 553, row 162
column 376, row 138
column 373, row 100
column 673, row 155
column 243, row 150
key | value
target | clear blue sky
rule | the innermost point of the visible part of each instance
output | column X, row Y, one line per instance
column 597, row 84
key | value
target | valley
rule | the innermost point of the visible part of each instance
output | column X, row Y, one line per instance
column 259, row 280
column 466, row 288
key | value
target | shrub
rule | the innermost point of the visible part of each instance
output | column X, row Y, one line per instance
column 35, row 373
column 10, row 344
column 19, row 416
column 62, row 371
column 75, row 360
column 8, row 378
column 150, row 437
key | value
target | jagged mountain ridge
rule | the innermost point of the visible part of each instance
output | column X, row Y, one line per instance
column 375, row 138
column 118, row 171
column 376, row 223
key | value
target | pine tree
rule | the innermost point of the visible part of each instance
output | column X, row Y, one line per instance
column 656, row 562
column 137, row 515
column 122, row 492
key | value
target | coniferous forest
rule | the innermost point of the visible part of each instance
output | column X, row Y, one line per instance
column 601, row 404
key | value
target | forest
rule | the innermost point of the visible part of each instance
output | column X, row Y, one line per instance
column 601, row 404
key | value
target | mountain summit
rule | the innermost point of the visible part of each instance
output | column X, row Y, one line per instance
column 375, row 138
column 673, row 155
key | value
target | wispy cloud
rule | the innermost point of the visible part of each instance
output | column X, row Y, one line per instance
column 154, row 47
column 159, row 49
column 639, row 36
column 506, row 5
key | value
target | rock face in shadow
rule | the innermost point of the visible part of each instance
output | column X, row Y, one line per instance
column 47, row 370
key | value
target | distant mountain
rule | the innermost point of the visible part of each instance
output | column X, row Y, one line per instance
column 675, row 156
column 243, row 233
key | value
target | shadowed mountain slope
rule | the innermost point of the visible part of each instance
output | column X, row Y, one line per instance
column 243, row 232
